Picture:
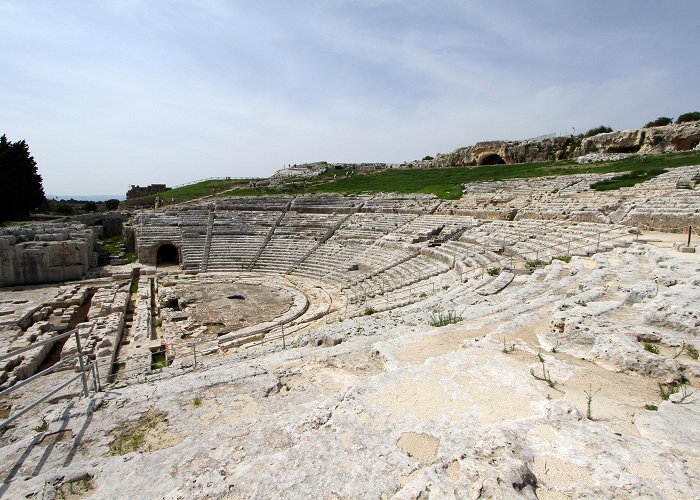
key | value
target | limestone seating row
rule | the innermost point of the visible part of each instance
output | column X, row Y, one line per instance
column 233, row 252
column 426, row 226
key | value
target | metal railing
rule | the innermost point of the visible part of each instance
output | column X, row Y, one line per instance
column 85, row 369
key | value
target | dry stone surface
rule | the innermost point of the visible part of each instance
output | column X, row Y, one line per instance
column 409, row 350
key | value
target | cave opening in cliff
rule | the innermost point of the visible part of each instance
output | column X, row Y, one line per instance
column 167, row 254
column 492, row 159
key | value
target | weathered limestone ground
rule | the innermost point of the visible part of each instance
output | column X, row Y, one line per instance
column 388, row 406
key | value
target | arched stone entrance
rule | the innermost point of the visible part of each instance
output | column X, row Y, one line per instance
column 492, row 159
column 168, row 254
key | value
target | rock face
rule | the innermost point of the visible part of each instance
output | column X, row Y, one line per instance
column 653, row 140
column 44, row 253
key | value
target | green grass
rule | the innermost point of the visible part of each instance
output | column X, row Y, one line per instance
column 445, row 183
column 158, row 361
column 627, row 180
column 651, row 348
column 112, row 245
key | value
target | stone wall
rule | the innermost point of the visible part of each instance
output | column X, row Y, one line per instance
column 44, row 253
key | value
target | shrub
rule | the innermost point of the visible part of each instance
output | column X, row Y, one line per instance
column 112, row 204
column 659, row 122
column 428, row 157
column 369, row 310
column 651, row 407
column 197, row 401
column 602, row 129
column 649, row 347
column 493, row 271
column 564, row 258
column 64, row 208
column 688, row 117
column 90, row 206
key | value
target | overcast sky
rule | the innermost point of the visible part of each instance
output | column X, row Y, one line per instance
column 112, row 93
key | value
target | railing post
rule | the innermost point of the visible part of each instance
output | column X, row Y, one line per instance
column 284, row 344
column 82, row 365
column 194, row 353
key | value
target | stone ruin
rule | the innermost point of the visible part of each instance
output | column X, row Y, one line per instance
column 379, row 345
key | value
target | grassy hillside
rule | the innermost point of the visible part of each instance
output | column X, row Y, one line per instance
column 447, row 183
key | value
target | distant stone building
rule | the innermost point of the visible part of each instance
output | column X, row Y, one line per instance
column 140, row 192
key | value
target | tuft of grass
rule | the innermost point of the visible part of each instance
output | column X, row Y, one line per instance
column 692, row 351
column 493, row 271
column 423, row 295
column 369, row 310
column 564, row 258
column 43, row 425
column 197, row 401
column 534, row 264
column 667, row 390
column 134, row 287
column 131, row 257
column 442, row 319
column 651, row 407
column 649, row 347
column 581, row 303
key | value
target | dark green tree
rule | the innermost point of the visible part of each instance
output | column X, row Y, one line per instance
column 112, row 204
column 598, row 130
column 689, row 117
column 659, row 122
column 21, row 187
column 90, row 206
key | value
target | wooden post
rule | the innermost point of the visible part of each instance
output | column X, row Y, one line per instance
column 690, row 231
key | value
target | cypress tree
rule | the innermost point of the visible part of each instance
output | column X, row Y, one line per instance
column 21, row 187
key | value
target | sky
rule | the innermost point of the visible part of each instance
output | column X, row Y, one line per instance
column 113, row 93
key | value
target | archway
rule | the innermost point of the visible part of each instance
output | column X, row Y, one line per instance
column 167, row 255
column 492, row 159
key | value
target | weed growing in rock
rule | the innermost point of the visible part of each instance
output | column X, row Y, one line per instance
column 555, row 347
column 508, row 349
column 564, row 258
column 493, row 271
column 685, row 395
column 581, row 303
column 651, row 407
column 649, row 347
column 442, row 319
column 545, row 377
column 369, row 310
column 590, row 394
column 423, row 295
column 197, row 401
column 534, row 264
column 692, row 351
column 43, row 425
column 667, row 389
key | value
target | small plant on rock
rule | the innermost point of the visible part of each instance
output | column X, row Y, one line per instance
column 649, row 347
column 581, row 303
column 508, row 349
column 493, row 271
column 555, row 347
column 534, row 264
column 369, row 310
column 43, row 425
column 545, row 377
column 564, row 258
column 442, row 319
column 667, row 389
column 689, row 349
column 590, row 394
column 651, row 407
column 197, row 401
